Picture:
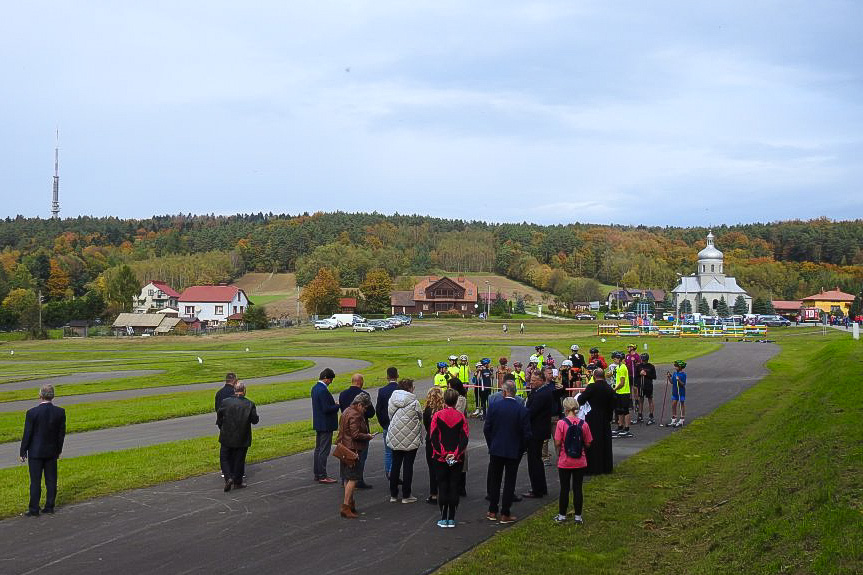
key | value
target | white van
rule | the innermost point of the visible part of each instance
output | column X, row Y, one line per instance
column 343, row 319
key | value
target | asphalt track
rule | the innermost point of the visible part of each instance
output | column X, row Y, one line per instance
column 286, row 523
column 341, row 366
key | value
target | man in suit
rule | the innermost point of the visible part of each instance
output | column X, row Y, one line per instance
column 540, row 405
column 325, row 420
column 235, row 418
column 226, row 390
column 346, row 398
column 41, row 445
column 382, row 409
column 507, row 432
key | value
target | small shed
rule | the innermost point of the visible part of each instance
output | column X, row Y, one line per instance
column 78, row 327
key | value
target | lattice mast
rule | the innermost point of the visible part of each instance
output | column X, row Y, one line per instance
column 55, row 199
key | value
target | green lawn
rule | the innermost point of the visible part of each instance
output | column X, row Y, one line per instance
column 771, row 482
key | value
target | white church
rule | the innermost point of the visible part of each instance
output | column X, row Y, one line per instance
column 710, row 282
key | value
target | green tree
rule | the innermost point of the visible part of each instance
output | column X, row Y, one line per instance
column 519, row 305
column 684, row 307
column 122, row 287
column 24, row 303
column 703, row 306
column 856, row 306
column 22, row 278
column 376, row 289
column 255, row 317
column 8, row 319
column 722, row 308
column 321, row 295
column 740, row 306
column 762, row 306
column 498, row 305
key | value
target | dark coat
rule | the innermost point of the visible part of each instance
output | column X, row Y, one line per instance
column 44, row 431
column 224, row 392
column 235, row 418
column 507, row 428
column 347, row 397
column 383, row 401
column 325, row 410
column 540, row 404
column 602, row 399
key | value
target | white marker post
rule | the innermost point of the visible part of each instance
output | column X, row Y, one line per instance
column 855, row 331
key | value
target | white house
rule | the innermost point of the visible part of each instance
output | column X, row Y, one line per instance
column 710, row 282
column 155, row 296
column 213, row 304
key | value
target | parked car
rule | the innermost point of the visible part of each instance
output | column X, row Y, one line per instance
column 380, row 324
column 630, row 315
column 405, row 319
column 326, row 324
column 394, row 321
column 585, row 316
column 363, row 327
column 773, row 321
column 612, row 315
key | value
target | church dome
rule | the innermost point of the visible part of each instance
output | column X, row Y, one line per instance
column 710, row 252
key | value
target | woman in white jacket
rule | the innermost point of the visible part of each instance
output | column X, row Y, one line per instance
column 404, row 437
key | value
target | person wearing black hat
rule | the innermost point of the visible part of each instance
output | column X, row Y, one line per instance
column 645, row 373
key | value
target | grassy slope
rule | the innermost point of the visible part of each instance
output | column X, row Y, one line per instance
column 772, row 482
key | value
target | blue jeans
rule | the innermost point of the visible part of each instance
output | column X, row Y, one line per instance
column 388, row 454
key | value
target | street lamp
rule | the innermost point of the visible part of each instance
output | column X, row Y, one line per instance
column 487, row 297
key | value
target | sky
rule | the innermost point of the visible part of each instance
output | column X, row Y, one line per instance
column 655, row 113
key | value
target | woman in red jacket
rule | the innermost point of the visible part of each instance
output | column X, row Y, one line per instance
column 448, row 436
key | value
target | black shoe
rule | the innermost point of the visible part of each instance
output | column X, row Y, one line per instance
column 29, row 513
column 48, row 511
column 363, row 485
column 228, row 484
column 240, row 485
column 431, row 500
column 462, row 492
column 531, row 495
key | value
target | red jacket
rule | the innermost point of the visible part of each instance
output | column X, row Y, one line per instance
column 448, row 434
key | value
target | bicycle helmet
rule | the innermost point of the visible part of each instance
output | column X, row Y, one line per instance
column 573, row 347
column 617, row 355
column 645, row 357
column 533, row 359
column 441, row 364
column 631, row 346
column 453, row 358
column 517, row 364
column 462, row 357
column 502, row 361
column 485, row 361
column 565, row 363
column 539, row 347
column 594, row 350
column 680, row 363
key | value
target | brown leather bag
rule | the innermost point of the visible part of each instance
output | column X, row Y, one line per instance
column 345, row 455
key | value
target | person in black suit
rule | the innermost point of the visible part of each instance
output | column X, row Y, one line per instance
column 540, row 405
column 41, row 445
column 235, row 418
column 507, row 432
column 226, row 390
column 602, row 399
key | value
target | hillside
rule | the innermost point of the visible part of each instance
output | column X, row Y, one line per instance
column 276, row 292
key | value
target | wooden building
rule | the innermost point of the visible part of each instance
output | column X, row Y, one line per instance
column 435, row 294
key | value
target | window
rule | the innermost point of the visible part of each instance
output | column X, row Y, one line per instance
column 235, row 309
column 190, row 310
column 715, row 303
column 220, row 310
column 241, row 309
column 425, row 307
column 711, row 268
column 150, row 293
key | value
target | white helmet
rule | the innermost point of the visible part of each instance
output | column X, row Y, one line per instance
column 462, row 357
column 453, row 358
column 566, row 363
column 574, row 347
column 533, row 359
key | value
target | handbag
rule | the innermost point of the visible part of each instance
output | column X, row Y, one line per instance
column 345, row 455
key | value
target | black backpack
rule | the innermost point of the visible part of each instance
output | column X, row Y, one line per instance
column 573, row 441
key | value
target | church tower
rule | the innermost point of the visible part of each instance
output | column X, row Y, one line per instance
column 710, row 260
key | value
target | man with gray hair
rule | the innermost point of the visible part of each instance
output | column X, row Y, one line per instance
column 235, row 418
column 41, row 445
column 507, row 432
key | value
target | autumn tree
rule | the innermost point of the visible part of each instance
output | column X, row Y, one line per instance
column 321, row 295
column 376, row 289
column 58, row 281
column 122, row 286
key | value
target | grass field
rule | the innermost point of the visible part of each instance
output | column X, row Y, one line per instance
column 276, row 292
column 771, row 482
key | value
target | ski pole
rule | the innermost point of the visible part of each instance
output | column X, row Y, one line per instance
column 664, row 397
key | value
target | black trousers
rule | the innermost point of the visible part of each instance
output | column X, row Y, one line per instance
column 400, row 457
column 448, row 478
column 432, row 473
column 323, row 443
column 233, row 462
column 38, row 466
column 574, row 477
column 483, row 399
column 503, row 469
column 535, row 467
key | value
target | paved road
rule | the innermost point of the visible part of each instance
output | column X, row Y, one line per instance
column 83, row 377
column 341, row 366
column 285, row 523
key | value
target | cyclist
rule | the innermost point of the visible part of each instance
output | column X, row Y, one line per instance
column 596, row 359
column 440, row 377
column 624, row 397
column 520, row 378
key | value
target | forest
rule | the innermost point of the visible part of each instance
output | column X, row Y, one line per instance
column 81, row 265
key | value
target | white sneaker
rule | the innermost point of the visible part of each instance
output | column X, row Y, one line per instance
column 673, row 422
column 394, row 500
column 475, row 413
column 680, row 422
column 578, row 519
column 560, row 518
column 410, row 499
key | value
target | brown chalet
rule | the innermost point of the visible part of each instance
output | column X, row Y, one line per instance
column 433, row 294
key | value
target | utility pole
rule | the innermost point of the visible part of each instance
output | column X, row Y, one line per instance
column 55, row 198
column 487, row 298
column 40, row 314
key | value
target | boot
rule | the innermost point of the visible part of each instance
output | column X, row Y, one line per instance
column 347, row 513
column 352, row 504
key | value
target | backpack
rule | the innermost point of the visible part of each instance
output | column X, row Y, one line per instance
column 573, row 441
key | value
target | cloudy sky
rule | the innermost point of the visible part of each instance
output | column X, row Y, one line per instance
column 680, row 113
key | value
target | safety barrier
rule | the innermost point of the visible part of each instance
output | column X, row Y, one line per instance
column 681, row 330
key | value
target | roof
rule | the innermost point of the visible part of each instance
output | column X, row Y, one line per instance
column 830, row 295
column 691, row 284
column 169, row 291
column 235, row 317
column 144, row 320
column 348, row 302
column 402, row 298
column 168, row 324
column 216, row 294
column 786, row 304
column 470, row 293
column 78, row 323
